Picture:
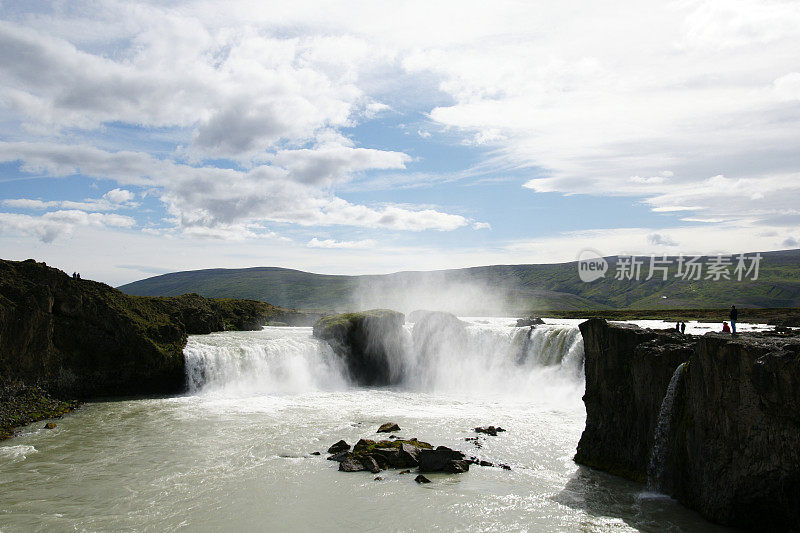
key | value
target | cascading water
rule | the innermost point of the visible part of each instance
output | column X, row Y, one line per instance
column 485, row 357
column 658, row 455
column 270, row 361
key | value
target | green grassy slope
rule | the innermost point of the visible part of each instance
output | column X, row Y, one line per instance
column 525, row 287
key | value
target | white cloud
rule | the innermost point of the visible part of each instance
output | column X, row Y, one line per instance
column 658, row 239
column 221, row 199
column 119, row 196
column 49, row 226
column 350, row 245
column 481, row 225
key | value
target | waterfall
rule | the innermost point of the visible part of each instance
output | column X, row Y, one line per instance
column 447, row 356
column 271, row 361
column 658, row 454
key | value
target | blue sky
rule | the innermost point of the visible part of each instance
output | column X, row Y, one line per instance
column 371, row 137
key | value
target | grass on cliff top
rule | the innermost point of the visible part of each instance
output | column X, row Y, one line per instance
column 343, row 319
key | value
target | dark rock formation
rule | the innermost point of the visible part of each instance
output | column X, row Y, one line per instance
column 442, row 459
column 734, row 447
column 21, row 405
column 78, row 338
column 422, row 479
column 388, row 427
column 530, row 321
column 490, row 430
column 370, row 343
column 340, row 446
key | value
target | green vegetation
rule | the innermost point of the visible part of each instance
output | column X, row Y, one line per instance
column 21, row 405
column 527, row 288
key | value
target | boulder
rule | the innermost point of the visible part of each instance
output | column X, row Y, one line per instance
column 50, row 425
column 388, row 427
column 530, row 321
column 370, row 463
column 339, row 447
column 422, row 479
column 442, row 459
column 351, row 464
column 341, row 456
column 370, row 343
column 490, row 430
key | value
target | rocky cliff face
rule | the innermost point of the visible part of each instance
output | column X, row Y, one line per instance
column 370, row 343
column 80, row 338
column 733, row 450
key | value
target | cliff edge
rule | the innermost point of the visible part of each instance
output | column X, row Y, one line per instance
column 77, row 338
column 731, row 448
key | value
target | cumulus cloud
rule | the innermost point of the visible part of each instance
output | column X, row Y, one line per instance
column 111, row 201
column 481, row 225
column 214, row 201
column 332, row 243
column 49, row 226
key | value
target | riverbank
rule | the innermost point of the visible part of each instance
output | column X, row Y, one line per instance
column 21, row 405
column 64, row 338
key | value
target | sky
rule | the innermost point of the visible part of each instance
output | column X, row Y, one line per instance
column 138, row 138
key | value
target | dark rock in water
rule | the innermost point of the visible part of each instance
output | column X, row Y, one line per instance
column 388, row 427
column 422, row 479
column 370, row 463
column 339, row 447
column 442, row 459
column 351, row 464
column 490, row 430
column 409, row 455
column 316, row 453
column 341, row 456
column 370, row 343
column 485, row 463
column 378, row 478
column 504, row 466
column 50, row 425
column 733, row 449
column 404, row 472
column 530, row 321
column 456, row 467
column 388, row 456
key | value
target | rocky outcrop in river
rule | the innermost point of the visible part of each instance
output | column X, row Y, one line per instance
column 370, row 343
column 77, row 338
column 732, row 449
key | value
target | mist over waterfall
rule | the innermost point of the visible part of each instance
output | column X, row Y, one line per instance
column 437, row 354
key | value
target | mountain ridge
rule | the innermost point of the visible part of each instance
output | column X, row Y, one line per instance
column 514, row 288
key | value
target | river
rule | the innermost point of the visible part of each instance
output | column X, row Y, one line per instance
column 235, row 452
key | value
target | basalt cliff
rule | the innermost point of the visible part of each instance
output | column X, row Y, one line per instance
column 731, row 431
column 76, row 338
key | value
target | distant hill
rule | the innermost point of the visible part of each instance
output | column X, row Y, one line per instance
column 489, row 289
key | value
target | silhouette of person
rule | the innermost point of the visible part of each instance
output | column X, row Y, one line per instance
column 725, row 328
column 78, row 275
column 683, row 327
column 678, row 327
column 733, row 316
column 73, row 275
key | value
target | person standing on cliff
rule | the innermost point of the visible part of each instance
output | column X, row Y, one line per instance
column 683, row 328
column 734, row 314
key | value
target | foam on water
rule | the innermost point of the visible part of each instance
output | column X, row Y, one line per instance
column 16, row 453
